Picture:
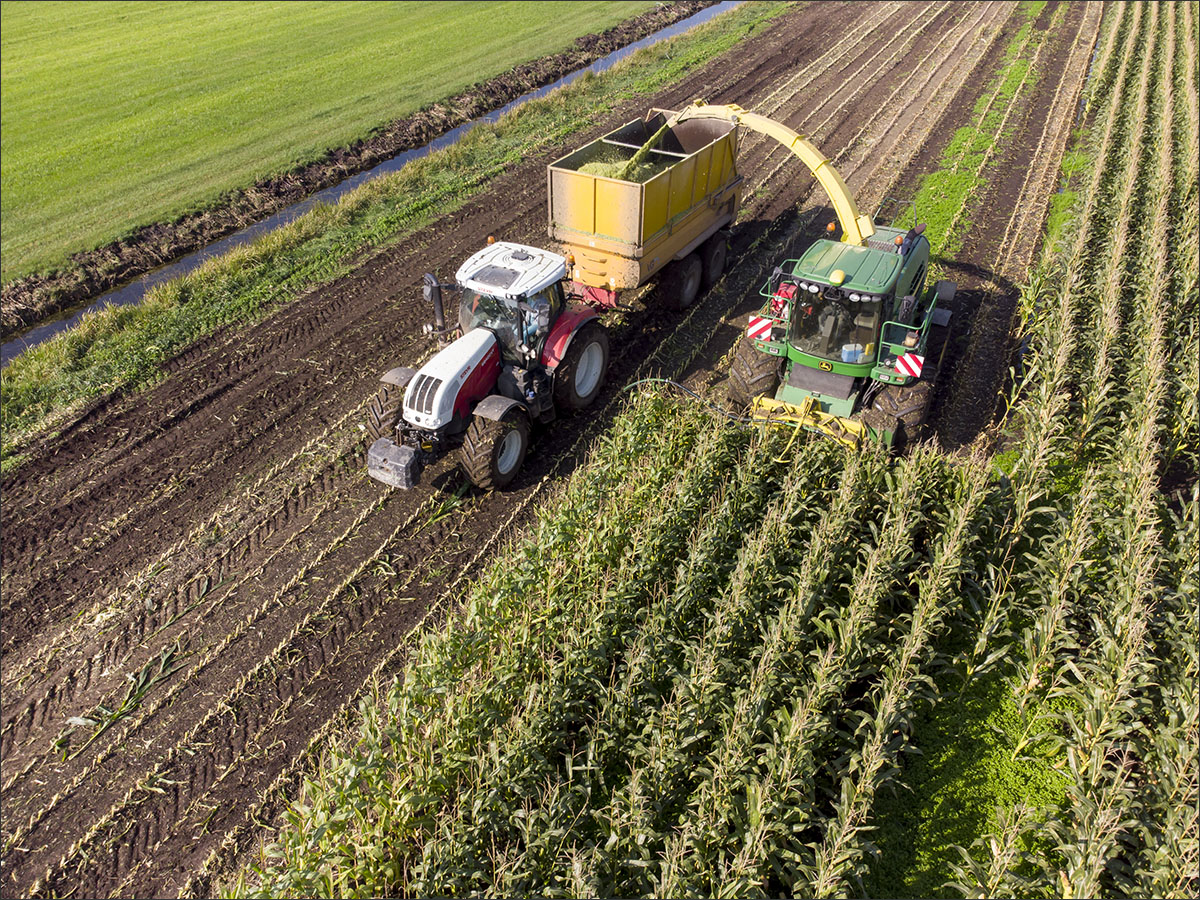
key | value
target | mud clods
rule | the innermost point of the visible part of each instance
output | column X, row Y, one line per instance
column 26, row 301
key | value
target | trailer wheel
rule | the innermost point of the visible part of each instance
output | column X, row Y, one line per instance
column 681, row 284
column 713, row 255
column 579, row 377
column 493, row 452
column 909, row 405
column 753, row 373
column 383, row 413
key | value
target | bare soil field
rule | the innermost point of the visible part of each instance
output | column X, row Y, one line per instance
column 211, row 554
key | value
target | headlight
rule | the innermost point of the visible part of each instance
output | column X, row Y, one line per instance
column 803, row 285
column 854, row 298
column 813, row 288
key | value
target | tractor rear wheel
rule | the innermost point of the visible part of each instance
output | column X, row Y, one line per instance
column 681, row 282
column 383, row 413
column 493, row 452
column 753, row 373
column 909, row 405
column 713, row 255
column 580, row 375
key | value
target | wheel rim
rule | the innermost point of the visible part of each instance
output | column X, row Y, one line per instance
column 591, row 366
column 510, row 451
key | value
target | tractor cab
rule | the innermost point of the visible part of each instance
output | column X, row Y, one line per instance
column 516, row 293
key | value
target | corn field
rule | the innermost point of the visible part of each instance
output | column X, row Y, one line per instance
column 706, row 667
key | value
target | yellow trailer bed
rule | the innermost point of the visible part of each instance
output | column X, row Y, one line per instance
column 621, row 233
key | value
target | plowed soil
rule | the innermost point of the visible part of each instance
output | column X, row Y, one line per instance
column 216, row 541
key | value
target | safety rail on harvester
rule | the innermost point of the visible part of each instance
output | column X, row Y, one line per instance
column 771, row 322
column 899, row 348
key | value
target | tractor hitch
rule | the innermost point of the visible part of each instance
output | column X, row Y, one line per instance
column 398, row 465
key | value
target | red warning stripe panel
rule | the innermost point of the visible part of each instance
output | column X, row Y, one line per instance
column 910, row 364
column 759, row 328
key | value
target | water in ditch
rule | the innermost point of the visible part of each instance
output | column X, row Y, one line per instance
column 136, row 290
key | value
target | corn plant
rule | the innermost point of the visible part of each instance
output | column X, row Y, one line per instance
column 525, row 749
column 680, row 736
column 612, row 762
column 842, row 849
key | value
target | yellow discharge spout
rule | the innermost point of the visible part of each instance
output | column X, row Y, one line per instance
column 856, row 227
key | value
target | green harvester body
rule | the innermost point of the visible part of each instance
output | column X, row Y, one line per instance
column 841, row 318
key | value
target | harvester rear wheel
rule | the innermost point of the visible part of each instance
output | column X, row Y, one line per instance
column 579, row 377
column 493, row 452
column 681, row 282
column 713, row 254
column 909, row 405
column 383, row 413
column 753, row 373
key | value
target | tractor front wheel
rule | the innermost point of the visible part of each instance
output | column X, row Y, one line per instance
column 753, row 373
column 681, row 282
column 493, row 452
column 580, row 375
column 909, row 406
column 383, row 413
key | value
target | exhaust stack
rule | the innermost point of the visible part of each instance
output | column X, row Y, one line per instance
column 433, row 294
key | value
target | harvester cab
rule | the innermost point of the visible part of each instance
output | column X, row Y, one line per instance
column 848, row 340
column 522, row 354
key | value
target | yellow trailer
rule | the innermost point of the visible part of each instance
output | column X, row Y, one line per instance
column 622, row 233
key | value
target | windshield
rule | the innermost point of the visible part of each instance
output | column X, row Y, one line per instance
column 830, row 325
column 501, row 317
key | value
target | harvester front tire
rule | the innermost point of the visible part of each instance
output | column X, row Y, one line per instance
column 580, row 376
column 910, row 406
column 682, row 281
column 713, row 255
column 383, row 413
column 753, row 373
column 493, row 452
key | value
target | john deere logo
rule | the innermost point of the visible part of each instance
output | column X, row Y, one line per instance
column 826, row 367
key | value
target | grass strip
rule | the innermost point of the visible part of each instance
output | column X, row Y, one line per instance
column 123, row 349
column 130, row 113
column 944, row 195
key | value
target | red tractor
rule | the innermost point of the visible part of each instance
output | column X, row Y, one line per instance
column 525, row 353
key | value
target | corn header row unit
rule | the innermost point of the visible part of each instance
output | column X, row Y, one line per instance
column 529, row 343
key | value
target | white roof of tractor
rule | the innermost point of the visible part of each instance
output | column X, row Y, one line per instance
column 511, row 270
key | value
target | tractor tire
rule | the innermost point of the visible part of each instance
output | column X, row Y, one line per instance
column 383, row 413
column 909, row 405
column 579, row 377
column 753, row 374
column 713, row 256
column 493, row 452
column 681, row 283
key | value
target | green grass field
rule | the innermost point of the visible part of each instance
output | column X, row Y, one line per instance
column 119, row 114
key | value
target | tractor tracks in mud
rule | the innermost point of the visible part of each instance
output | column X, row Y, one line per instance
column 225, row 513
